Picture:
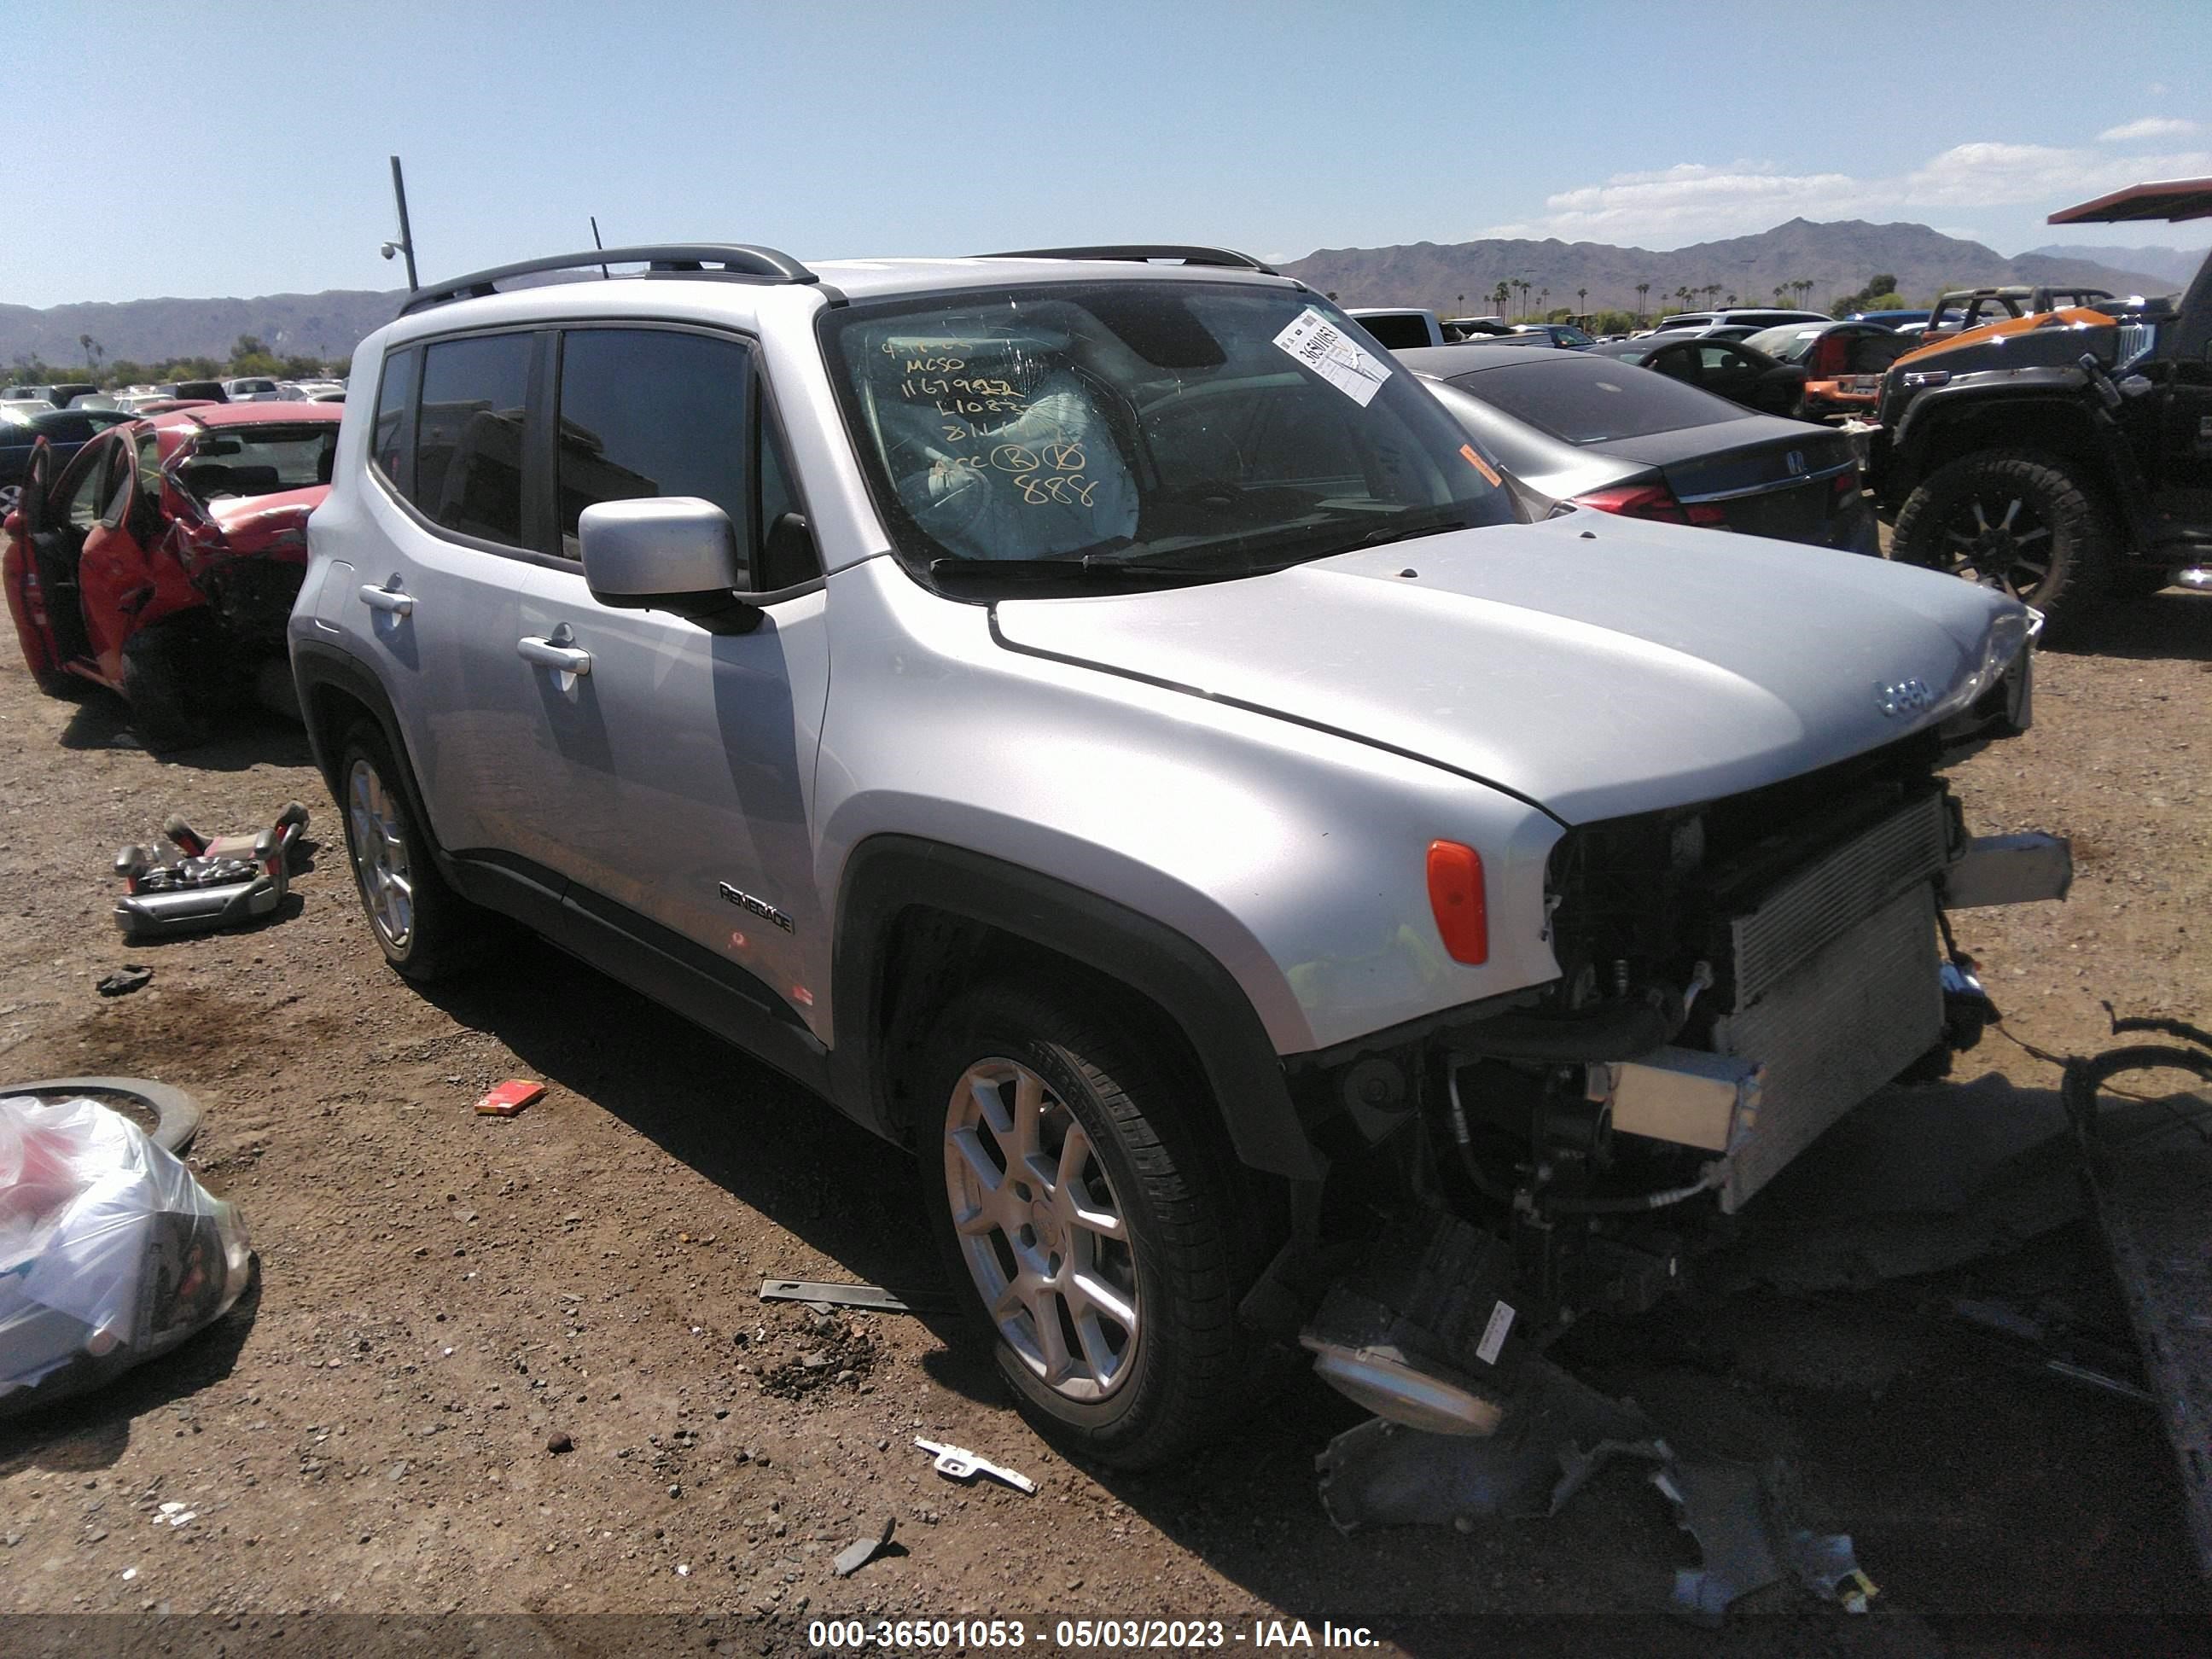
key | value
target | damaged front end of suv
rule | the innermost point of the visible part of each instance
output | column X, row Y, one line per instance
column 1736, row 974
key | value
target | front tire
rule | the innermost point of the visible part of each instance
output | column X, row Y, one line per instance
column 425, row 929
column 167, row 707
column 1084, row 1219
column 2012, row 520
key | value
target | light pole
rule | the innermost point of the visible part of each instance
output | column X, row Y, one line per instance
column 406, row 243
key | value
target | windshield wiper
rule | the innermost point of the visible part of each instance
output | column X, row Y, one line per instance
column 1107, row 567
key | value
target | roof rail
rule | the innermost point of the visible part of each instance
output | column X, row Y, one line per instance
column 1225, row 257
column 729, row 259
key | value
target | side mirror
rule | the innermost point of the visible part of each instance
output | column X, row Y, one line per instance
column 675, row 553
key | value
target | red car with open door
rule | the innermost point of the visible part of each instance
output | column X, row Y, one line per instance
column 163, row 560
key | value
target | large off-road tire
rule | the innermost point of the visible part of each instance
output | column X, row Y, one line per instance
column 1087, row 1218
column 168, row 703
column 425, row 929
column 2014, row 520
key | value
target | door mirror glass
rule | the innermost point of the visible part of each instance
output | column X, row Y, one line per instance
column 676, row 553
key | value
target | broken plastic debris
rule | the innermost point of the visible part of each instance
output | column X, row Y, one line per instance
column 510, row 1097
column 961, row 1464
column 864, row 1549
column 822, row 1296
column 125, row 980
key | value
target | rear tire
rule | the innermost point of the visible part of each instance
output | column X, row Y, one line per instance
column 425, row 929
column 159, row 684
column 2015, row 520
column 1088, row 1226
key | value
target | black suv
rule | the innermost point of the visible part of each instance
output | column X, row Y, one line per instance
column 2065, row 455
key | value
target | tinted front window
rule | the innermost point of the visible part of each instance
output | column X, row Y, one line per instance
column 653, row 412
column 1588, row 400
column 469, row 437
column 1220, row 429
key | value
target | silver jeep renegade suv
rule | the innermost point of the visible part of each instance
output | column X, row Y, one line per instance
column 1092, row 716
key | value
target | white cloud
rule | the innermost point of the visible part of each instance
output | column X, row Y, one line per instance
column 2151, row 126
column 1693, row 202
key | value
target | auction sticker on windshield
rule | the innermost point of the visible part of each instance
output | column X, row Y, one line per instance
column 1321, row 346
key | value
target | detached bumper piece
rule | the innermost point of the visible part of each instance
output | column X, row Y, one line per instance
column 222, row 882
column 2149, row 1166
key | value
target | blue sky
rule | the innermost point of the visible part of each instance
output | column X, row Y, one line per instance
column 239, row 149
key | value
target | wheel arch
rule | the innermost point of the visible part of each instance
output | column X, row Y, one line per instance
column 1939, row 432
column 913, row 918
column 336, row 693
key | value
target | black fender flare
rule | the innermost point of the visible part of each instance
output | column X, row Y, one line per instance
column 316, row 665
column 2061, row 390
column 888, row 874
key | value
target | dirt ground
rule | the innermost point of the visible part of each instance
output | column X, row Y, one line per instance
column 440, row 1294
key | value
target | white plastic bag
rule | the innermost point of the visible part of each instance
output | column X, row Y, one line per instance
column 110, row 1251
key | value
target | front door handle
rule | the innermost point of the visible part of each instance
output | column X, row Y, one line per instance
column 389, row 597
column 559, row 651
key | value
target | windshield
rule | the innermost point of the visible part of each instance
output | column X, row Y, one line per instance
column 1787, row 343
column 259, row 460
column 1214, row 430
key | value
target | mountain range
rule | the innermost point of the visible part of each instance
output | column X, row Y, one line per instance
column 327, row 325
column 2170, row 264
column 1837, row 258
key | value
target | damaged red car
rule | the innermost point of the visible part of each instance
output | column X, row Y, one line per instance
column 163, row 560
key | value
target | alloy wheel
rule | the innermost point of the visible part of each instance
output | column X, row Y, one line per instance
column 1041, row 1230
column 379, row 855
column 1998, row 538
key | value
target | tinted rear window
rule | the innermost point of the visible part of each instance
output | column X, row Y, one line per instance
column 1397, row 331
column 1588, row 400
column 468, row 441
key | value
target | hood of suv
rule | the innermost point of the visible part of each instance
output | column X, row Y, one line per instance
column 1593, row 666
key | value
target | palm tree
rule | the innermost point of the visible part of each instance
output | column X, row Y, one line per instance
column 1711, row 291
column 1523, row 285
column 1781, row 292
column 1499, row 294
column 1581, row 302
column 1544, row 303
column 1801, row 288
column 1731, row 299
column 1643, row 292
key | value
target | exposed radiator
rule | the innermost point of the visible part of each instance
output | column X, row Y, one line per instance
column 1822, row 900
column 1837, row 986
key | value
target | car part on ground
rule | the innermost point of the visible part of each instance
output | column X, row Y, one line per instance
column 1745, row 1518
column 110, row 1252
column 1623, row 439
column 170, row 1117
column 958, row 1463
column 2060, row 454
column 874, row 1298
column 226, row 882
column 1109, row 909
column 162, row 560
column 2149, row 1166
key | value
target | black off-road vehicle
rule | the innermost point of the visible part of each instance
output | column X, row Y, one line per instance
column 2066, row 455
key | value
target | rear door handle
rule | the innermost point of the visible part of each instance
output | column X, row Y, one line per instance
column 391, row 598
column 554, row 653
